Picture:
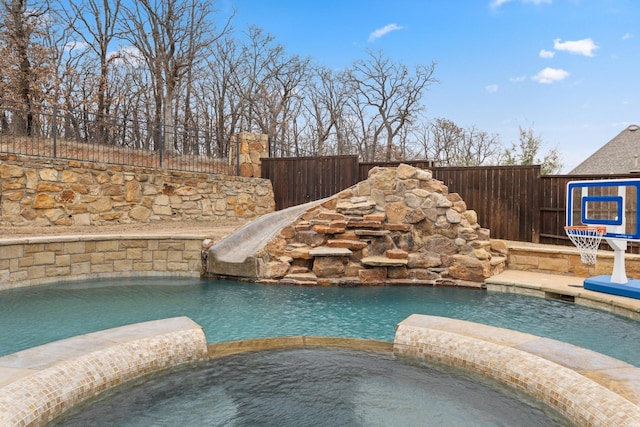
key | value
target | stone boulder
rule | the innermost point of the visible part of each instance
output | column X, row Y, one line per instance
column 400, row 226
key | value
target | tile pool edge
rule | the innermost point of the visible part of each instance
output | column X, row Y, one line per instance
column 586, row 387
column 39, row 384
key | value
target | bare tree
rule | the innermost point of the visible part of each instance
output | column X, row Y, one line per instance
column 170, row 35
column 222, row 104
column 324, row 112
column 389, row 94
column 269, row 80
column 95, row 22
column 26, row 62
column 450, row 145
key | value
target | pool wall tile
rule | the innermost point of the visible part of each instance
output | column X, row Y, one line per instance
column 568, row 390
column 40, row 384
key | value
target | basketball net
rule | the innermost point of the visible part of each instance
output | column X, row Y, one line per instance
column 587, row 239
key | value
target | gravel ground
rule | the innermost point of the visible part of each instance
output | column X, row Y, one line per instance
column 215, row 230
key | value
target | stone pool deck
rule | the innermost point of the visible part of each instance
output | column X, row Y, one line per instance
column 566, row 288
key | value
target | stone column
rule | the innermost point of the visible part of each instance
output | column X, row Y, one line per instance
column 253, row 147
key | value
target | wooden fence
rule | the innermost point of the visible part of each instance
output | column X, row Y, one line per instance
column 504, row 197
column 514, row 202
column 298, row 180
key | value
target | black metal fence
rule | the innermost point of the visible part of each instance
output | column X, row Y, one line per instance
column 81, row 135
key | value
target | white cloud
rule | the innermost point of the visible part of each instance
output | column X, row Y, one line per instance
column 384, row 31
column 628, row 36
column 546, row 54
column 580, row 47
column 75, row 46
column 491, row 88
column 127, row 55
column 550, row 75
column 497, row 3
column 518, row 79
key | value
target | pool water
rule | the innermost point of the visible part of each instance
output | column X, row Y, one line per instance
column 310, row 387
column 233, row 311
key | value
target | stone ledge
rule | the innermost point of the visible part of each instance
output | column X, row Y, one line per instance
column 329, row 251
column 39, row 384
column 98, row 237
column 381, row 261
column 575, row 386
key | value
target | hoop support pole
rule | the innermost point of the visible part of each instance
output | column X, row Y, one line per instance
column 619, row 246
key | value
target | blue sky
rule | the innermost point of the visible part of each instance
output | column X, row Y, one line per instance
column 566, row 68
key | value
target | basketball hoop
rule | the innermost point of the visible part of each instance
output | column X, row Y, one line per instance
column 587, row 239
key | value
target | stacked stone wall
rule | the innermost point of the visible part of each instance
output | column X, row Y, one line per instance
column 399, row 226
column 40, row 260
column 252, row 149
column 52, row 192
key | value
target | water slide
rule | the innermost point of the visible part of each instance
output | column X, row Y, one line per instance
column 235, row 256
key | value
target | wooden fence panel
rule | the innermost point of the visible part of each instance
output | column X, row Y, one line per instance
column 298, row 180
column 505, row 198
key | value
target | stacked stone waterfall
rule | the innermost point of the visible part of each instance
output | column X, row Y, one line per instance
column 400, row 226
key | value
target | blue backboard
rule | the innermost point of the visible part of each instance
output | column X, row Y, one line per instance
column 612, row 203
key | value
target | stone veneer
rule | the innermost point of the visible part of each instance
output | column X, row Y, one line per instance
column 38, row 260
column 570, row 380
column 54, row 192
column 400, row 226
column 565, row 260
column 39, row 384
column 253, row 148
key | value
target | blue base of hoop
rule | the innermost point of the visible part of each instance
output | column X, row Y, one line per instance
column 630, row 289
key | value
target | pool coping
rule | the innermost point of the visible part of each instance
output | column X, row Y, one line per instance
column 587, row 387
column 39, row 384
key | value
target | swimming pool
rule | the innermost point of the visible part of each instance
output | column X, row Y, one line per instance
column 234, row 311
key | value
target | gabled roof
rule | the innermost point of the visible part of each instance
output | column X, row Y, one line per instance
column 618, row 156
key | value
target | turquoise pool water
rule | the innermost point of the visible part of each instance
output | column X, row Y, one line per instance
column 310, row 387
column 233, row 311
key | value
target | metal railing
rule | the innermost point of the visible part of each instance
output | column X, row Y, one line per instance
column 80, row 135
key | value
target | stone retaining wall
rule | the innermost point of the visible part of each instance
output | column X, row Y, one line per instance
column 38, row 260
column 565, row 260
column 40, row 384
column 54, row 192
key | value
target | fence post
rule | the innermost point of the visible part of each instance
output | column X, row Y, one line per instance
column 55, row 131
column 237, row 154
column 160, row 140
